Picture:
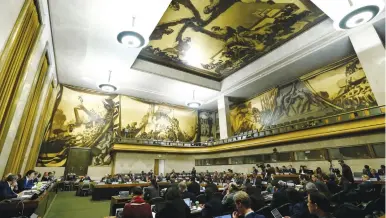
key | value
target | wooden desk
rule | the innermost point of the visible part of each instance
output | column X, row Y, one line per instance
column 117, row 202
column 38, row 206
column 105, row 192
column 285, row 177
column 373, row 182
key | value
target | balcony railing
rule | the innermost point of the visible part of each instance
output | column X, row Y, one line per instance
column 285, row 127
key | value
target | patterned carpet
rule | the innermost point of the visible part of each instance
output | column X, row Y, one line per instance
column 67, row 205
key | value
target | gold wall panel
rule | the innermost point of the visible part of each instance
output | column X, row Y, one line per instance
column 24, row 132
column 13, row 63
column 42, row 124
column 215, row 38
column 82, row 118
column 146, row 120
column 337, row 88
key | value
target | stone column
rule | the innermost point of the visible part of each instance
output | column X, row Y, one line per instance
column 371, row 53
column 223, row 116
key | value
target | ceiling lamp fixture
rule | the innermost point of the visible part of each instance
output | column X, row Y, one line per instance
column 108, row 87
column 193, row 103
column 359, row 13
column 131, row 39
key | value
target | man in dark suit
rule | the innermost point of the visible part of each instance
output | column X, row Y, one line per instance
column 346, row 172
column 365, row 185
column 291, row 169
column 213, row 205
column 194, row 187
column 321, row 186
column 212, row 185
column 6, row 186
column 279, row 198
column 184, row 192
column 243, row 206
column 27, row 182
column 381, row 171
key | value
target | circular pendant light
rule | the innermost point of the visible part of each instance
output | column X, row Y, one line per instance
column 359, row 14
column 108, row 87
column 193, row 103
column 131, row 39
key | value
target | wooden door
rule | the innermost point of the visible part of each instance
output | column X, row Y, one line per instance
column 78, row 160
column 156, row 166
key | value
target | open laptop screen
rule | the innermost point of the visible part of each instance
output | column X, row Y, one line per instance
column 224, row 216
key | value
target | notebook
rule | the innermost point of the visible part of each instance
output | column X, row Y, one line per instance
column 276, row 213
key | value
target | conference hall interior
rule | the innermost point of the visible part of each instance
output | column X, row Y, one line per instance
column 192, row 108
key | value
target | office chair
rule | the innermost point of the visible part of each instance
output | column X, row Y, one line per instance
column 85, row 189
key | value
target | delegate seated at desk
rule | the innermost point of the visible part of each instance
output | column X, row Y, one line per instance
column 27, row 182
column 6, row 187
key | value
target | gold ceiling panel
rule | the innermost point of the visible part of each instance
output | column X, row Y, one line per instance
column 215, row 38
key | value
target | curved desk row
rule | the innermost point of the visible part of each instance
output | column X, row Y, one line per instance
column 38, row 206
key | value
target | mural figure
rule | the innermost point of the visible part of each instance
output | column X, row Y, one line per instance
column 81, row 119
column 337, row 88
column 145, row 120
column 188, row 27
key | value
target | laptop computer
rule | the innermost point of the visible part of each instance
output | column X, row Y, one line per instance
column 187, row 202
column 224, row 216
column 276, row 213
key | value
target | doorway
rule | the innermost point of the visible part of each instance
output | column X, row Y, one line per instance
column 159, row 166
column 78, row 160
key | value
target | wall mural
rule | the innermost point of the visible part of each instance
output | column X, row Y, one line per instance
column 146, row 120
column 207, row 125
column 81, row 119
column 339, row 87
column 211, row 39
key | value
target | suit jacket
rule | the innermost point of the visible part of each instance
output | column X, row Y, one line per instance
column 254, row 215
column 212, row 186
column 194, row 188
column 299, row 210
column 212, row 208
column 174, row 209
column 364, row 186
column 23, row 184
column 151, row 192
column 347, row 173
column 189, row 195
column 46, row 179
column 6, row 191
column 279, row 198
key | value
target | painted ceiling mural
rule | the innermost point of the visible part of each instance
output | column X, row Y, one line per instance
column 146, row 120
column 81, row 119
column 339, row 87
column 215, row 38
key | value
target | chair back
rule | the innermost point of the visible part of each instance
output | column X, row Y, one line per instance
column 369, row 208
column 265, row 211
column 86, row 186
column 218, row 195
column 349, row 210
column 284, row 209
column 201, row 198
column 156, row 200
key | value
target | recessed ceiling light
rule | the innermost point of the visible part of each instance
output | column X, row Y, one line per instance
column 193, row 103
column 131, row 39
column 359, row 14
column 108, row 87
